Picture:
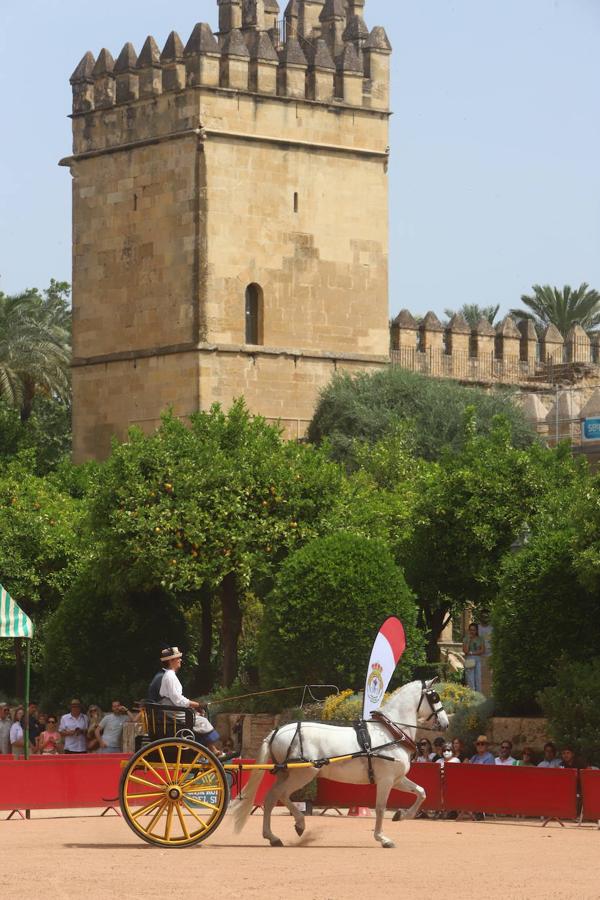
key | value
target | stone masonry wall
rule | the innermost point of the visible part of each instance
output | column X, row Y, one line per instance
column 254, row 157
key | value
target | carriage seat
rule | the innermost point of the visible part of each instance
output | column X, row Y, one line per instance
column 166, row 721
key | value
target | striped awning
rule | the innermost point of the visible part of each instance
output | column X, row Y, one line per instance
column 13, row 621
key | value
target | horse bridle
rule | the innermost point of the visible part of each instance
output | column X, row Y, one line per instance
column 435, row 704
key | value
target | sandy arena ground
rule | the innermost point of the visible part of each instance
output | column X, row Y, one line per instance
column 100, row 859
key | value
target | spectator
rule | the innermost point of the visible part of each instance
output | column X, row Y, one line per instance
column 459, row 750
column 474, row 649
column 485, row 632
column 94, row 716
column 34, row 725
column 73, row 728
column 505, row 757
column 482, row 757
column 569, row 759
column 527, row 758
column 109, row 731
column 447, row 755
column 424, row 751
column 5, row 724
column 550, row 760
column 50, row 740
column 237, row 733
column 438, row 749
column 17, row 734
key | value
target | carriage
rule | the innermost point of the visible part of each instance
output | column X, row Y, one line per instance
column 174, row 792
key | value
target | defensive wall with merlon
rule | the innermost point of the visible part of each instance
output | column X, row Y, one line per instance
column 230, row 206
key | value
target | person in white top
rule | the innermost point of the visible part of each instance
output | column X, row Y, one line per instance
column 447, row 756
column 73, row 728
column 166, row 689
column 505, row 757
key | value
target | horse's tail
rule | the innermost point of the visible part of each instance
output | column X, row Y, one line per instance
column 241, row 809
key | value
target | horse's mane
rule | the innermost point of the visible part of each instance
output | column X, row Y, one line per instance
column 396, row 693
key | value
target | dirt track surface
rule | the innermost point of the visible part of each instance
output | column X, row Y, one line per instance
column 336, row 860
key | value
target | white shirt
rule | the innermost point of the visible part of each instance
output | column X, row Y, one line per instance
column 442, row 762
column 76, row 743
column 171, row 690
column 549, row 764
column 505, row 762
column 16, row 732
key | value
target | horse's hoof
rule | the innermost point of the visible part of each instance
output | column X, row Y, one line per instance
column 388, row 845
column 397, row 816
column 300, row 829
column 277, row 843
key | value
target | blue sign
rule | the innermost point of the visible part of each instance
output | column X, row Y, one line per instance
column 591, row 429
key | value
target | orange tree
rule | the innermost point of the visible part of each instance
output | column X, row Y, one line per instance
column 205, row 511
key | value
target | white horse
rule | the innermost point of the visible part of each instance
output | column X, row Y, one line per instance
column 411, row 705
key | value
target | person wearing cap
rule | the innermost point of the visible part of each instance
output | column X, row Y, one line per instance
column 5, row 724
column 166, row 689
column 73, row 728
column 482, row 756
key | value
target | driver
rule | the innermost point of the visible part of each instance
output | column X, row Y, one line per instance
column 166, row 689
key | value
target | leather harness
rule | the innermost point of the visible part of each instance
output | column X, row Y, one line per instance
column 398, row 735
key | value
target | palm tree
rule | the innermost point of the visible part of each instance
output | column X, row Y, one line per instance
column 564, row 309
column 35, row 348
column 474, row 313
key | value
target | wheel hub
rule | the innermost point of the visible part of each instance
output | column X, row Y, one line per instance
column 174, row 793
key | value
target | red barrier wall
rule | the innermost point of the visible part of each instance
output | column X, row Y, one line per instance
column 511, row 790
column 590, row 788
column 267, row 782
column 427, row 775
column 60, row 782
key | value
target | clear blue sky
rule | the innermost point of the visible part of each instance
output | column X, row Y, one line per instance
column 495, row 180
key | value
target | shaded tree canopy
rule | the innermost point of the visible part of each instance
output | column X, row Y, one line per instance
column 366, row 407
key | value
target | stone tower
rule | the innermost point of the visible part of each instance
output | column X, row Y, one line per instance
column 230, row 207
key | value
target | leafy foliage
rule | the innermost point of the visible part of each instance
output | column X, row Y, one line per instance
column 551, row 306
column 368, row 407
column 46, row 433
column 468, row 511
column 471, row 720
column 473, row 313
column 319, row 619
column 35, row 346
column 212, row 508
column 38, row 536
column 545, row 609
column 572, row 705
column 103, row 644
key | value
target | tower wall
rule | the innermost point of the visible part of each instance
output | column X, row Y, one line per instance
column 186, row 191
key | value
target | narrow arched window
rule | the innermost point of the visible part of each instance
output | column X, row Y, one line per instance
column 254, row 314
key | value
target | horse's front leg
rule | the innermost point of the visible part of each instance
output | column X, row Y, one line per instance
column 383, row 792
column 404, row 784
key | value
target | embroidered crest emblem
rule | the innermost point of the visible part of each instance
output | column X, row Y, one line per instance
column 375, row 683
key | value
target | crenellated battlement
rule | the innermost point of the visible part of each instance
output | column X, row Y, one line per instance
column 508, row 352
column 322, row 52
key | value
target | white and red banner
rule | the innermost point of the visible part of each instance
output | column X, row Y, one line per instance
column 387, row 651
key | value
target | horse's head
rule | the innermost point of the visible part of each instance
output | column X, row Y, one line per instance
column 430, row 708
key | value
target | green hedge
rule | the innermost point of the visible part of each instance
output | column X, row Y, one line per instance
column 329, row 599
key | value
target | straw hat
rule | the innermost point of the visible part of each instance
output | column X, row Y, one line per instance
column 170, row 653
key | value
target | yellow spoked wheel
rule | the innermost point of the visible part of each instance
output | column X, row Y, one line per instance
column 174, row 793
